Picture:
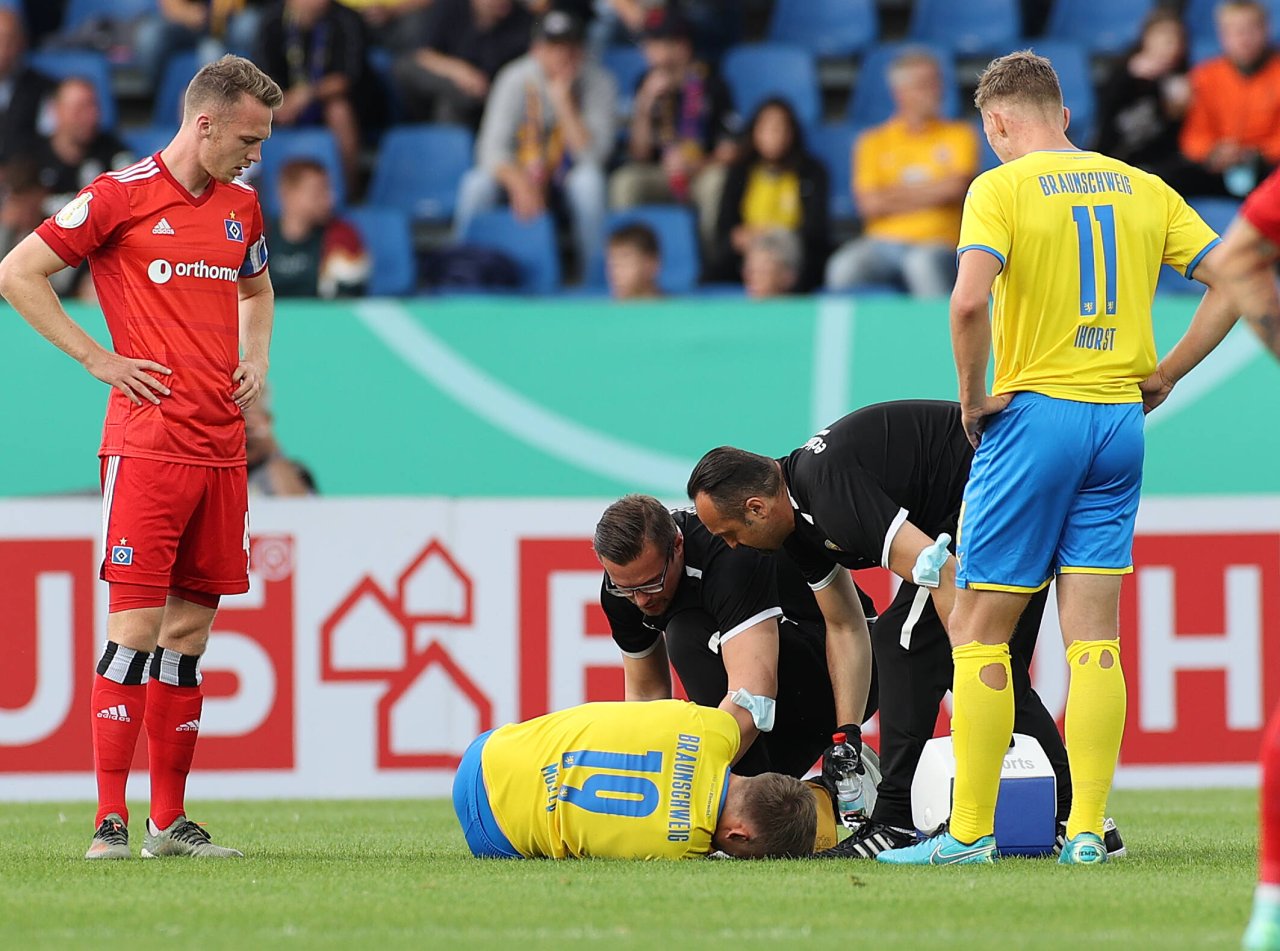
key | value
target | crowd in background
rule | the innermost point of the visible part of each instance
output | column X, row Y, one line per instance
column 566, row 137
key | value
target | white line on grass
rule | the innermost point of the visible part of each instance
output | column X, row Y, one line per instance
column 515, row 414
column 1232, row 355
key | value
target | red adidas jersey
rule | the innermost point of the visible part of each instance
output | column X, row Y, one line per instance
column 166, row 265
column 1262, row 208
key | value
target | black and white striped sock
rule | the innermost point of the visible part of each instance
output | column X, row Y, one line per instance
column 176, row 670
column 123, row 665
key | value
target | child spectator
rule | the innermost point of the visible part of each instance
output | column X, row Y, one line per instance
column 772, row 264
column 313, row 253
column 632, row 262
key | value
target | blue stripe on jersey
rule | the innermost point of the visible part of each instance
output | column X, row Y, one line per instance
column 982, row 247
column 1191, row 268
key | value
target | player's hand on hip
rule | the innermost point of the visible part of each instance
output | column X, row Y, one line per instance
column 252, row 377
column 132, row 377
column 975, row 417
column 1155, row 390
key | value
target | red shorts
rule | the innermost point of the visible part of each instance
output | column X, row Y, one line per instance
column 171, row 525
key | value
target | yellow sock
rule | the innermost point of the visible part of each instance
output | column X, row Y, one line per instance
column 981, row 727
column 1095, row 725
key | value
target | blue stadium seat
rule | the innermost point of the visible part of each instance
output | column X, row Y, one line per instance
column 987, row 158
column 78, row 11
column 627, row 64
column 419, row 168
column 1108, row 27
column 84, row 63
column 826, row 28
column 832, row 144
column 871, row 102
column 1078, row 93
column 755, row 72
column 179, row 69
column 387, row 235
column 1217, row 214
column 967, row 28
column 677, row 233
column 148, row 139
column 286, row 144
column 1203, row 30
column 531, row 244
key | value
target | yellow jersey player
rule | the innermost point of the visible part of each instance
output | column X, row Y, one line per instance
column 1067, row 244
column 628, row 781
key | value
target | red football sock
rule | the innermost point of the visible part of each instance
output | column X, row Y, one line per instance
column 117, row 711
column 173, row 724
column 1269, row 848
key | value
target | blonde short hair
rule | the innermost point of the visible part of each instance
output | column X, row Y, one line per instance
column 1023, row 77
column 222, row 83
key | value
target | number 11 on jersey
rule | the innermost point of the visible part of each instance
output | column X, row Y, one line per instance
column 1106, row 218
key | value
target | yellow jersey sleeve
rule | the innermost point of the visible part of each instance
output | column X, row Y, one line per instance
column 1187, row 239
column 987, row 224
column 612, row 780
column 866, row 170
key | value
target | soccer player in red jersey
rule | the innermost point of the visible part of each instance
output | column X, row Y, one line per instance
column 175, row 244
column 1250, row 252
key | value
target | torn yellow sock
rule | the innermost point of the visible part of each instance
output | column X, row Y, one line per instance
column 981, row 726
column 1095, row 725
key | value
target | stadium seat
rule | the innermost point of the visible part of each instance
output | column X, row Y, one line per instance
column 677, row 233
column 987, row 158
column 531, row 244
column 1217, row 214
column 83, row 63
column 286, row 144
column 387, row 236
column 871, row 103
column 79, row 11
column 179, row 70
column 1108, row 27
column 627, row 64
column 1078, row 94
column 418, row 169
column 147, row 139
column 832, row 144
column 967, row 28
column 826, row 28
column 755, row 72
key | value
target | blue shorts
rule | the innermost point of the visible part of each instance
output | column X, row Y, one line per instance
column 1053, row 489
column 471, row 804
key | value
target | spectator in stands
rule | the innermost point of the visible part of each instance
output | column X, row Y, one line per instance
column 632, row 262
column 1232, row 129
column 716, row 24
column 772, row 264
column 774, row 184
column 313, row 252
column 211, row 27
column 23, row 204
column 1145, row 97
column 315, row 50
column 910, row 175
column 392, row 24
column 461, row 47
column 682, row 128
column 547, row 131
column 77, row 150
column 22, row 89
column 271, row 472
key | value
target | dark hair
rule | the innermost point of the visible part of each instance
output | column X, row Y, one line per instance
column 628, row 523
column 637, row 235
column 225, row 80
column 1157, row 17
column 794, row 152
column 730, row 476
column 292, row 171
column 783, row 816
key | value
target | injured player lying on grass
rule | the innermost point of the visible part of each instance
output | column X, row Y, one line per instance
column 631, row 781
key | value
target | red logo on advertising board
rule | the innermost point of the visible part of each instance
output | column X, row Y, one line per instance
column 47, row 600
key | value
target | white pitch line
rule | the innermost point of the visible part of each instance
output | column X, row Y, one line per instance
column 1232, row 355
column 832, row 353
column 515, row 414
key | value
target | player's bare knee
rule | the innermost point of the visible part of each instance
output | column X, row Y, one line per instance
column 994, row 676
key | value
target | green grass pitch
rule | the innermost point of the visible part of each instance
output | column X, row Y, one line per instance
column 396, row 875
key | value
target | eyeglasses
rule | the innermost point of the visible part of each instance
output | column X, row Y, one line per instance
column 653, row 587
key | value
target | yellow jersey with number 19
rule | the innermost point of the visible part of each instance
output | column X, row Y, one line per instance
column 612, row 780
column 1080, row 238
